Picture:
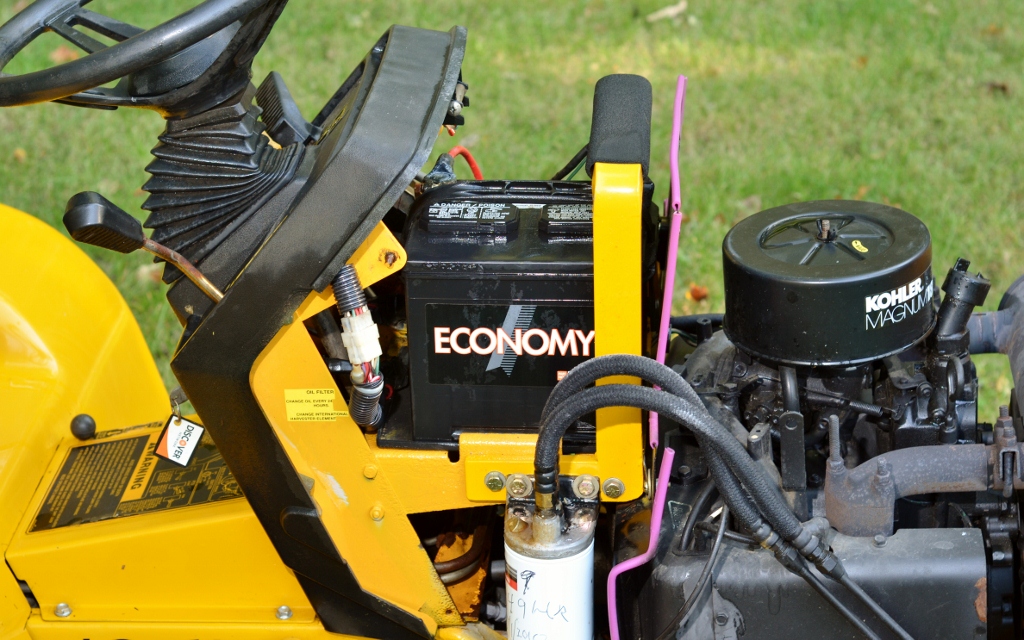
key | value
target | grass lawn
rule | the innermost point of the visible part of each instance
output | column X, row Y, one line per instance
column 911, row 102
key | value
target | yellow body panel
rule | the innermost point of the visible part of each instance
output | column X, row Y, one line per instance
column 129, row 569
column 68, row 345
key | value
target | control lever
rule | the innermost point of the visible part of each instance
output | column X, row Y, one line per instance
column 92, row 219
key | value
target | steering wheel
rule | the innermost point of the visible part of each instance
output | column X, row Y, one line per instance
column 136, row 49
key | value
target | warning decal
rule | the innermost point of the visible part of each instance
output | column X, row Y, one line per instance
column 311, row 405
column 124, row 477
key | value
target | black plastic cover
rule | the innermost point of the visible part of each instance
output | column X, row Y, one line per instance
column 92, row 219
column 620, row 132
column 830, row 282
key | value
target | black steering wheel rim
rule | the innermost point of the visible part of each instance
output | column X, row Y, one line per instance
column 108, row 64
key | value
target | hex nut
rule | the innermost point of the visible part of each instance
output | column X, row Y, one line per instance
column 62, row 610
column 495, row 481
column 519, row 485
column 283, row 612
column 613, row 488
column 586, row 486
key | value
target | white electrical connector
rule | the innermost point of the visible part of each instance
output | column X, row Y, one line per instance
column 361, row 338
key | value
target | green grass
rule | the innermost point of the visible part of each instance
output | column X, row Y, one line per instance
column 897, row 101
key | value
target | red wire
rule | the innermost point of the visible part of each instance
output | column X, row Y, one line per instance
column 473, row 166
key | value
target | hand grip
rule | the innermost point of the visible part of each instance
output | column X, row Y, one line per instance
column 620, row 132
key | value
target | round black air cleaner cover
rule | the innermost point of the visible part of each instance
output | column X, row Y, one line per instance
column 830, row 282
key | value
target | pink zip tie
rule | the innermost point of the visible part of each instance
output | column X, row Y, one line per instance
column 652, row 547
column 675, row 222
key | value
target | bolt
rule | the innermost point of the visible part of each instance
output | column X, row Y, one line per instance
column 377, row 512
column 586, row 486
column 685, row 471
column 390, row 258
column 495, row 481
column 62, row 610
column 370, row 471
column 879, row 540
column 613, row 488
column 1004, row 411
column 518, row 485
column 739, row 370
column 721, row 619
column 283, row 612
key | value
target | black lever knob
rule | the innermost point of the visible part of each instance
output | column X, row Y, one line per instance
column 92, row 219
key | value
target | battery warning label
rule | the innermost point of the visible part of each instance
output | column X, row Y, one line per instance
column 125, row 477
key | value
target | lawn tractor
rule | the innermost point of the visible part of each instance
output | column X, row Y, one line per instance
column 427, row 407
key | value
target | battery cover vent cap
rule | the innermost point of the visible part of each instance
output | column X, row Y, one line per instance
column 828, row 283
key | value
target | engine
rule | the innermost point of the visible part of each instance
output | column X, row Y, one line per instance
column 849, row 382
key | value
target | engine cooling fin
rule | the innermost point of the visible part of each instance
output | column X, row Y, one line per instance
column 210, row 174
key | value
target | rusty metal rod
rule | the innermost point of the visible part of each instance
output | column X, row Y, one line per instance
column 186, row 267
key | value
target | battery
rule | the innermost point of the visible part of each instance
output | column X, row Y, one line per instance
column 500, row 302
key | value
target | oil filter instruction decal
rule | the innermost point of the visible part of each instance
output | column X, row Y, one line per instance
column 125, row 476
column 311, row 405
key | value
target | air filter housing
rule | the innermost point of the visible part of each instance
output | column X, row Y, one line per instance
column 828, row 283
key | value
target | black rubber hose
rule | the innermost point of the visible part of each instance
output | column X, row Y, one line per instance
column 743, row 510
column 656, row 373
column 875, row 607
column 572, row 164
column 691, row 519
column 702, row 581
column 590, row 371
column 761, row 490
column 790, row 389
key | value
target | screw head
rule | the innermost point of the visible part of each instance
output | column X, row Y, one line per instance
column 455, row 108
column 283, row 612
column 519, row 486
column 879, row 540
column 495, row 481
column 586, row 486
column 613, row 488
column 377, row 512
column 370, row 471
column 62, row 610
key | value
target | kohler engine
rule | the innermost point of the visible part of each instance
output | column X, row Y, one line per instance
column 852, row 384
